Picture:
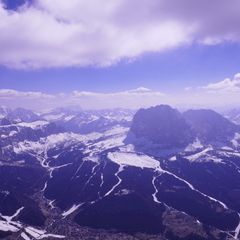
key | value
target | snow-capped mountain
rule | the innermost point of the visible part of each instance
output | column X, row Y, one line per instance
column 60, row 114
column 22, row 115
column 88, row 121
column 113, row 174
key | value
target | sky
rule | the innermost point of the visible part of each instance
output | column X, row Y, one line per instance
column 100, row 54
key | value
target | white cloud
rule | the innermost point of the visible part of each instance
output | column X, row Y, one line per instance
column 222, row 94
column 135, row 98
column 60, row 33
column 226, row 85
column 142, row 90
column 79, row 33
column 201, row 97
column 11, row 94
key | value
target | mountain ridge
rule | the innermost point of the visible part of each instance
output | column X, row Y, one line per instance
column 195, row 188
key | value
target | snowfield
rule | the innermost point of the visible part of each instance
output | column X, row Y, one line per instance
column 98, row 141
column 204, row 156
column 133, row 159
column 7, row 227
column 33, row 125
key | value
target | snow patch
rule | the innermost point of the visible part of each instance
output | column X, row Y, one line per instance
column 71, row 210
column 204, row 156
column 120, row 169
column 236, row 140
column 40, row 234
column 25, row 236
column 69, row 118
column 133, row 159
column 7, row 227
column 237, row 230
column 33, row 125
column 12, row 133
column 194, row 146
column 7, row 224
column 173, row 158
column 123, row 192
column 53, row 117
column 154, row 195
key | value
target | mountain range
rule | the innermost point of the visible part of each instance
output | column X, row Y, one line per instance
column 154, row 173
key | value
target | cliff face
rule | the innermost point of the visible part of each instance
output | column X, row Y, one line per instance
column 162, row 126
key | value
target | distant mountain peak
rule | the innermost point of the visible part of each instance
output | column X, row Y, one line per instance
column 210, row 126
column 22, row 115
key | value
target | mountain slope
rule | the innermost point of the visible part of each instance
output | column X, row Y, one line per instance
column 210, row 127
column 56, row 183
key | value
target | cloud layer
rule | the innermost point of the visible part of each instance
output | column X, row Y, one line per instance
column 209, row 96
column 135, row 98
column 60, row 33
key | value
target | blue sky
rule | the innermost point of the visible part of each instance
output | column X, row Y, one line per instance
column 13, row 4
column 168, row 72
column 105, row 53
